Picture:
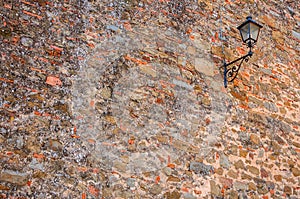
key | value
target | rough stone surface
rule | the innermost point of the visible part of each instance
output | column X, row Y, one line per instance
column 155, row 189
column 215, row 189
column 240, row 185
column 204, row 66
column 224, row 162
column 14, row 177
column 252, row 169
column 296, row 34
column 25, row 41
column 200, row 168
column 188, row 196
column 173, row 194
column 239, row 164
column 296, row 172
column 255, row 139
column 125, row 99
column 287, row 190
column 226, row 182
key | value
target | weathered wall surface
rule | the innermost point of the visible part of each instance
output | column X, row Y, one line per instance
column 125, row 99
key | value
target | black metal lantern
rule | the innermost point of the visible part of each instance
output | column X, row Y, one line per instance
column 249, row 31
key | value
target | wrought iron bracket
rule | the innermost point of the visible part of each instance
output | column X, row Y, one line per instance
column 231, row 72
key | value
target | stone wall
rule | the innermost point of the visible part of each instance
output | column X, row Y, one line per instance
column 125, row 99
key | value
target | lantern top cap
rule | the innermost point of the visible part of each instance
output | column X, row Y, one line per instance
column 249, row 19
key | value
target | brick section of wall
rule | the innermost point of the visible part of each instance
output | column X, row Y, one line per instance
column 125, row 99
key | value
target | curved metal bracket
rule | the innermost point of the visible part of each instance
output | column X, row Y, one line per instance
column 231, row 72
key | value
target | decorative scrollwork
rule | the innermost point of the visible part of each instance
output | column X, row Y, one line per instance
column 231, row 72
column 246, row 59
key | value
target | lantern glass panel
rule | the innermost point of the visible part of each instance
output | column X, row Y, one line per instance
column 245, row 32
column 254, row 31
column 250, row 32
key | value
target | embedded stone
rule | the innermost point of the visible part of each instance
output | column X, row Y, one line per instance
column 119, row 193
column 267, row 71
column 214, row 188
column 4, row 188
column 162, row 138
column 243, row 153
column 253, row 170
column 172, row 195
column 204, row 66
column 14, row 177
column 198, row 89
column 206, row 101
column 262, row 190
column 278, row 178
column 233, row 194
column 270, row 185
column 106, row 192
column 191, row 50
column 173, row 179
column 271, row 107
column 120, row 166
column 263, row 173
column 296, row 34
column 182, row 84
column 167, row 171
column 110, row 119
column 224, row 162
column 257, row 117
column 254, row 139
column 219, row 171
column 189, row 196
column 226, row 182
column 221, row 52
column 55, row 145
column 105, row 93
column 53, row 81
column 193, row 149
column 270, row 21
column 131, row 182
column 296, row 171
column 239, row 164
column 155, row 189
column 113, row 28
column 245, row 176
column 233, row 150
column 241, row 95
column 61, row 107
column 6, row 32
column 252, row 186
column 131, row 147
column 288, row 190
column 149, row 70
column 276, row 146
column 39, row 174
column 26, row 41
column 273, row 156
column 233, row 174
column 36, row 165
column 240, row 185
column 201, row 168
column 278, row 37
column 181, row 145
column 296, row 144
